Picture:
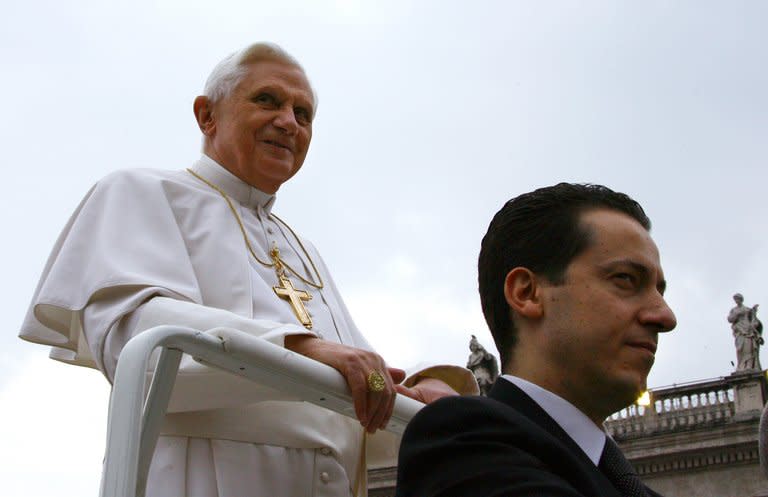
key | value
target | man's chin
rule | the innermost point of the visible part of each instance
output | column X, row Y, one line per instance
column 628, row 391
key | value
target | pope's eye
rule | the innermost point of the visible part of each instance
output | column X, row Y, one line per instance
column 302, row 116
column 264, row 98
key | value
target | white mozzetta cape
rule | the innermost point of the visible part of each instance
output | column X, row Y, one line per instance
column 149, row 247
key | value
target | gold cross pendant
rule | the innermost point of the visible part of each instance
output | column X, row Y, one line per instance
column 286, row 291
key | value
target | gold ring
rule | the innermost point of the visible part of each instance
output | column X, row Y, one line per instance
column 376, row 382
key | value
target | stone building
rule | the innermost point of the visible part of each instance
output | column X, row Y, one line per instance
column 698, row 439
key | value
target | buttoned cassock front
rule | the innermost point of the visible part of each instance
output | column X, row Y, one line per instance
column 150, row 247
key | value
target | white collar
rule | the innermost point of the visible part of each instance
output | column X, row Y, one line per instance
column 233, row 186
column 588, row 436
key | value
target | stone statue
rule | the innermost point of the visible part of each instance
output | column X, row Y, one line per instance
column 483, row 365
column 747, row 333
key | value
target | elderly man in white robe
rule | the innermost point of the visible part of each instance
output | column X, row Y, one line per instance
column 201, row 247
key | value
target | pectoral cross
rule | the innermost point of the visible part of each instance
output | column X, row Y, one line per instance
column 285, row 290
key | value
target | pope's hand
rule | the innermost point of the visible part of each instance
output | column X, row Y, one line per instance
column 427, row 390
column 373, row 409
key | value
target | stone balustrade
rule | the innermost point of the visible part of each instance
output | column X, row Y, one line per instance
column 677, row 408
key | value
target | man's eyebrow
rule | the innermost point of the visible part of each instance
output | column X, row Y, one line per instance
column 638, row 267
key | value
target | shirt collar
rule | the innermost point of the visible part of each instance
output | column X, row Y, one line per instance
column 233, row 186
column 588, row 436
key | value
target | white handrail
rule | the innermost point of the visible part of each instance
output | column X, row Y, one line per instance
column 135, row 418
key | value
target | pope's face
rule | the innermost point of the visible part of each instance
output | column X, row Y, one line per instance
column 261, row 131
column 601, row 325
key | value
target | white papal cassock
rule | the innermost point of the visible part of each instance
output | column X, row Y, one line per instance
column 149, row 247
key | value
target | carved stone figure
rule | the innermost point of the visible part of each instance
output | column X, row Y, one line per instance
column 747, row 333
column 483, row 365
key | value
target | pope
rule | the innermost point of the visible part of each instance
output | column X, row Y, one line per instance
column 202, row 247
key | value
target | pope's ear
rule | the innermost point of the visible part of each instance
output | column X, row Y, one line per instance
column 203, row 109
column 521, row 290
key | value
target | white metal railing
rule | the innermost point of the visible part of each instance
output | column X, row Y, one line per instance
column 135, row 414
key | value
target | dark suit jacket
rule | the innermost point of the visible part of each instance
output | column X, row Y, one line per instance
column 497, row 446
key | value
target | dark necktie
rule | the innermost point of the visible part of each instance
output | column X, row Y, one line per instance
column 620, row 472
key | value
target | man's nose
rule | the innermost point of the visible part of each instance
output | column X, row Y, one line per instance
column 659, row 315
column 286, row 120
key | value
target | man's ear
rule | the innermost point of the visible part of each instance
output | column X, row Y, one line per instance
column 203, row 109
column 522, row 292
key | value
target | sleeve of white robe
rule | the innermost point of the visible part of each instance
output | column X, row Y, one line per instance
column 113, row 240
column 197, row 386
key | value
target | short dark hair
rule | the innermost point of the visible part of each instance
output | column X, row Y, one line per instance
column 539, row 230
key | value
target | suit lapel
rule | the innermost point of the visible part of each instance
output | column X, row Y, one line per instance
column 508, row 393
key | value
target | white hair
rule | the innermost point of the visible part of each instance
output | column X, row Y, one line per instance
column 230, row 71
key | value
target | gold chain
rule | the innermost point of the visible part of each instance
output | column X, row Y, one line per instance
column 279, row 262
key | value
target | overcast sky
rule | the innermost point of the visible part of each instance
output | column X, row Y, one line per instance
column 432, row 114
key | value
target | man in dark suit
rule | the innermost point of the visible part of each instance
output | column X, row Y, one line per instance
column 572, row 289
